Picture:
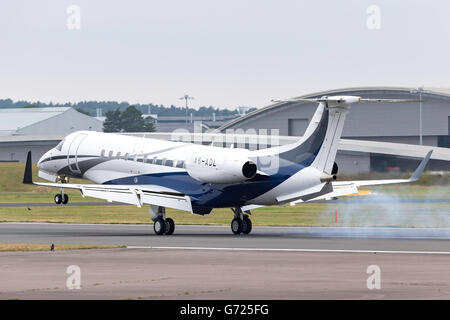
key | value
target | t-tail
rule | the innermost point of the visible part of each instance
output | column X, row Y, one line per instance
column 318, row 146
column 326, row 156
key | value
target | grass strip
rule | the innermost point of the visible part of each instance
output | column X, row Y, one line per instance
column 15, row 247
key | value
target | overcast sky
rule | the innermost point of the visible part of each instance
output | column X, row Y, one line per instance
column 224, row 53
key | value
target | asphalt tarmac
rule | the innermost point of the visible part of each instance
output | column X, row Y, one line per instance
column 299, row 238
column 227, row 274
column 208, row 262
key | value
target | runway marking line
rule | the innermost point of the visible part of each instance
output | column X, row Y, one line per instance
column 290, row 250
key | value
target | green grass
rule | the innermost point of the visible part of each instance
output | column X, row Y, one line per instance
column 42, row 197
column 12, row 190
column 11, row 176
column 13, row 247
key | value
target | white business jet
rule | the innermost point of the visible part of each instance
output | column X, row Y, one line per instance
column 197, row 178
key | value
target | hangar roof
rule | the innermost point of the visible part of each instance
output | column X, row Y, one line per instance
column 17, row 118
column 441, row 92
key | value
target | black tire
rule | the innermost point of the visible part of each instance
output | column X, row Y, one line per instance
column 65, row 199
column 247, row 225
column 237, row 226
column 58, row 198
column 170, row 226
column 159, row 226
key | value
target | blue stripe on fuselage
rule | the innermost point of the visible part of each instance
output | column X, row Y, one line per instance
column 218, row 195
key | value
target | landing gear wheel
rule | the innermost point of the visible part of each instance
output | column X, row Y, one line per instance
column 58, row 198
column 65, row 199
column 237, row 226
column 247, row 225
column 159, row 226
column 170, row 226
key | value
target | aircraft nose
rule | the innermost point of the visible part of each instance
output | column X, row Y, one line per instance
column 40, row 164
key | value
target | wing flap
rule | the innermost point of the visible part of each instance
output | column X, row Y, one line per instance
column 110, row 195
column 180, row 202
column 136, row 195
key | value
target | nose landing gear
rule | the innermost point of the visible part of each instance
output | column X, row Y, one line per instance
column 61, row 198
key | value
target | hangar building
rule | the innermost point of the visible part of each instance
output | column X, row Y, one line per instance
column 39, row 129
column 382, row 122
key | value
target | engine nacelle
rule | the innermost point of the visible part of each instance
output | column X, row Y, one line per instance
column 220, row 168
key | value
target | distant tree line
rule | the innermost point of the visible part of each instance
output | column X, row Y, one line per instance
column 90, row 107
column 129, row 120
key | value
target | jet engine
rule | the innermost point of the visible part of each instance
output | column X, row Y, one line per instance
column 220, row 168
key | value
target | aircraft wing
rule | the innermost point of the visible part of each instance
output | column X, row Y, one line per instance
column 341, row 188
column 131, row 194
column 415, row 176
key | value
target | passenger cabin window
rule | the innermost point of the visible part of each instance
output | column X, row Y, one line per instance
column 158, row 161
column 154, row 160
column 169, row 163
column 180, row 164
column 163, row 162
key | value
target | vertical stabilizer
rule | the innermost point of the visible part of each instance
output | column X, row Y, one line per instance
column 318, row 146
column 327, row 153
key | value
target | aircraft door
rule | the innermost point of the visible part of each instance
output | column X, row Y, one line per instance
column 73, row 153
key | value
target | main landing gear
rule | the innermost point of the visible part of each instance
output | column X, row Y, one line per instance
column 162, row 225
column 241, row 222
column 61, row 198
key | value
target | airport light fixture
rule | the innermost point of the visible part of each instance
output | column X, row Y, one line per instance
column 186, row 97
column 420, row 91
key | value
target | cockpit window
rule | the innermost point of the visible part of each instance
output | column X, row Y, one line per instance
column 60, row 145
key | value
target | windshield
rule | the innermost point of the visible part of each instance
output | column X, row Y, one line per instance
column 60, row 145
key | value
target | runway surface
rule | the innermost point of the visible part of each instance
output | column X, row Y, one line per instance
column 326, row 238
column 236, row 275
column 208, row 262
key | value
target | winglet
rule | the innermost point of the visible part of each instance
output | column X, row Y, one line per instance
column 27, row 175
column 416, row 175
